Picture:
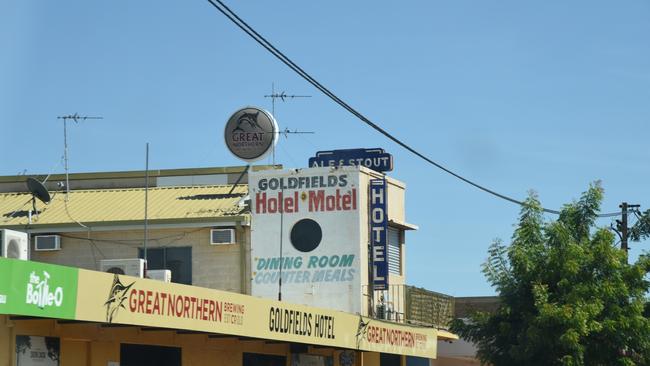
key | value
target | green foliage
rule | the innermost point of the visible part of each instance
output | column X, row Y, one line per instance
column 568, row 296
column 641, row 230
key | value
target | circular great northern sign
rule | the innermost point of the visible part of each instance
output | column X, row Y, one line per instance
column 251, row 133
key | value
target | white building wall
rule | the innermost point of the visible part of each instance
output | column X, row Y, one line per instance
column 326, row 274
column 345, row 232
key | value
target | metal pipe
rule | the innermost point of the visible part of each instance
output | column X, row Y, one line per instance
column 146, row 207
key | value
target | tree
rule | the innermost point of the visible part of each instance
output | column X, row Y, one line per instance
column 568, row 295
column 641, row 230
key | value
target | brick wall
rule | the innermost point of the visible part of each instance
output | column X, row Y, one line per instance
column 213, row 266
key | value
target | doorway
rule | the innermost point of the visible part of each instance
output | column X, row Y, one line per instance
column 257, row 359
column 145, row 355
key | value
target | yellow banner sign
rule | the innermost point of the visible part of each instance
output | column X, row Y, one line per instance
column 103, row 297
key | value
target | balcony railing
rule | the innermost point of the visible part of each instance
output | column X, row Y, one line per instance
column 408, row 304
column 386, row 304
column 428, row 307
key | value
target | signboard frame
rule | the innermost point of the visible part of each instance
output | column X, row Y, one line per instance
column 376, row 159
column 378, row 218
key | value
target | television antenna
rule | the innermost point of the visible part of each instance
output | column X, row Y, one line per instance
column 283, row 96
column 286, row 132
column 76, row 118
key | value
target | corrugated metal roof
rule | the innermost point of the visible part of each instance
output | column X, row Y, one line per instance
column 115, row 206
column 139, row 173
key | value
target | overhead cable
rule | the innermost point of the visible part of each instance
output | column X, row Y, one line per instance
column 233, row 17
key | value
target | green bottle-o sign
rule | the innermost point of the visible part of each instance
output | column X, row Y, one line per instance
column 37, row 289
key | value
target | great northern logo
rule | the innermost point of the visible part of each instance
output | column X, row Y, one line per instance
column 116, row 298
column 250, row 133
column 249, row 122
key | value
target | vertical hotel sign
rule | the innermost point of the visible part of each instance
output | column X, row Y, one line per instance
column 378, row 234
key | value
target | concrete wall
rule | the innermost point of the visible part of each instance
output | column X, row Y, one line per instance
column 457, row 350
column 213, row 266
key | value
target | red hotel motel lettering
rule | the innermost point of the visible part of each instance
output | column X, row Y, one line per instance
column 183, row 306
column 317, row 201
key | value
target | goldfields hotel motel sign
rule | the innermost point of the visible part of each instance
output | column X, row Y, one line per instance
column 315, row 214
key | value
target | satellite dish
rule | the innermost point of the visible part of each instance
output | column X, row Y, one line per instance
column 38, row 190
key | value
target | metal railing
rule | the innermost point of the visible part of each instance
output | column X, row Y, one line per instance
column 386, row 304
column 428, row 307
column 408, row 304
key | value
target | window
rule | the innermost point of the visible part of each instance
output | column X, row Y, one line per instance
column 394, row 251
column 176, row 259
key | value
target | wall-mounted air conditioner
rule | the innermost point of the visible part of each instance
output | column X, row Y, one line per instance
column 222, row 236
column 14, row 244
column 164, row 275
column 47, row 242
column 130, row 267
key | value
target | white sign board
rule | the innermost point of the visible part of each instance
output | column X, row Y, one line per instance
column 306, row 229
column 37, row 351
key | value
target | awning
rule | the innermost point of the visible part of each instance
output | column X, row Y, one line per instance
column 35, row 289
column 402, row 225
column 444, row 335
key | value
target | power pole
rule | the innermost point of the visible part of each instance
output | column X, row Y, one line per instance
column 621, row 224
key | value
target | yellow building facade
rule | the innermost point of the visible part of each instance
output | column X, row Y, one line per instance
column 206, row 315
column 97, row 318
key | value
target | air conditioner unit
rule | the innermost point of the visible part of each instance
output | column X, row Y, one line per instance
column 385, row 311
column 164, row 275
column 14, row 244
column 222, row 236
column 47, row 243
column 380, row 313
column 130, row 267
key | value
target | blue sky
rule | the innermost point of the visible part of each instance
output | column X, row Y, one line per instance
column 515, row 95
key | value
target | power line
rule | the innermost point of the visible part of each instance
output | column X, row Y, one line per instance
column 233, row 17
column 134, row 242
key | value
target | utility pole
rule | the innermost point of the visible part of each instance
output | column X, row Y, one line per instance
column 622, row 224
